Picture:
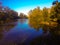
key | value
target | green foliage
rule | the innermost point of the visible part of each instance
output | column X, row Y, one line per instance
column 46, row 14
column 35, row 17
column 38, row 17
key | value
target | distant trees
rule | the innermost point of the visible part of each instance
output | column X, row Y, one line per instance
column 23, row 16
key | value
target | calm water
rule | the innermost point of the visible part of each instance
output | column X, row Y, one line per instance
column 19, row 32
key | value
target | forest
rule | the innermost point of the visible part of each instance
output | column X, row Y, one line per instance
column 46, row 16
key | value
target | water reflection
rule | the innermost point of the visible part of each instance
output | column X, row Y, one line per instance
column 52, row 28
column 21, row 33
column 5, row 28
column 22, row 21
column 55, row 30
column 52, row 39
column 37, row 26
column 34, row 25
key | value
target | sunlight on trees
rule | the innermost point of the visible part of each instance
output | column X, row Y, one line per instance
column 48, row 16
column 35, row 17
column 38, row 18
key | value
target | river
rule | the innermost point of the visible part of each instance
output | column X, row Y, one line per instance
column 19, row 33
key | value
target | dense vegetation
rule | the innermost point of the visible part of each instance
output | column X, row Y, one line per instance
column 47, row 16
column 49, row 20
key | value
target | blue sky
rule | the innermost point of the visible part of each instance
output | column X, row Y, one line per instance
column 26, row 5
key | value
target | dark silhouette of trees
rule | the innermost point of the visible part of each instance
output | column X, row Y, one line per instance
column 7, row 14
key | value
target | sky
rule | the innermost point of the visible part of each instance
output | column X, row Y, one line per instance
column 24, row 6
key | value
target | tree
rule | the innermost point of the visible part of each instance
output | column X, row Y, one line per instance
column 6, row 14
column 56, row 12
column 35, row 17
column 23, row 16
column 46, row 14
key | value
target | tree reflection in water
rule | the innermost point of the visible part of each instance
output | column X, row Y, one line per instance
column 5, row 28
column 34, row 25
column 55, row 30
column 22, row 20
column 51, row 28
column 52, row 39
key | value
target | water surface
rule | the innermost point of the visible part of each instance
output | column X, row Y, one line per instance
column 18, row 33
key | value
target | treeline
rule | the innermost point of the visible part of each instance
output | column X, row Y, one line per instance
column 7, row 14
column 48, row 16
column 23, row 16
